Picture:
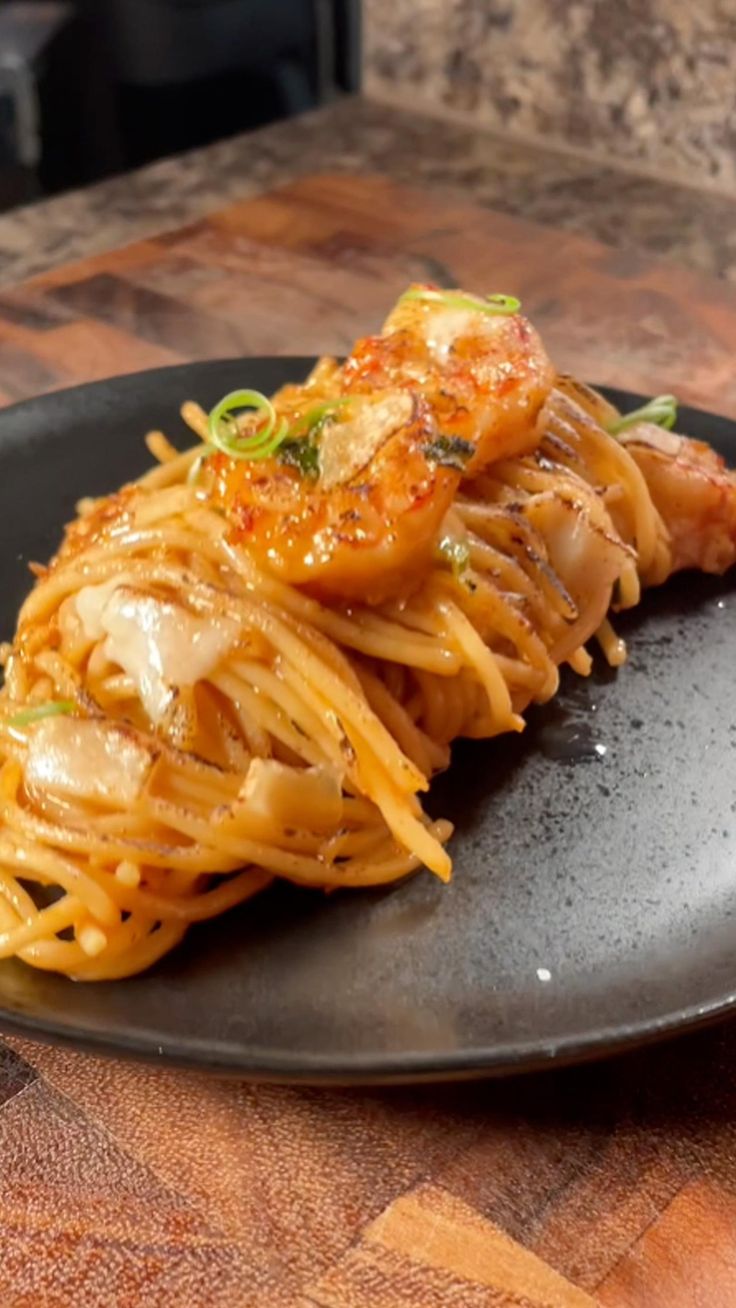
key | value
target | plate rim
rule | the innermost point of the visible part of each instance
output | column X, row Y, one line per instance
column 494, row 1062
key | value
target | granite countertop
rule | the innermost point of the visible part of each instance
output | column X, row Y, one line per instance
column 692, row 226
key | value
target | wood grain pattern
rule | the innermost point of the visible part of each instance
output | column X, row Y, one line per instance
column 111, row 1229
column 431, row 1243
column 307, row 268
column 612, row 1186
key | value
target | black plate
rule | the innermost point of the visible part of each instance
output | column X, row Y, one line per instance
column 595, row 857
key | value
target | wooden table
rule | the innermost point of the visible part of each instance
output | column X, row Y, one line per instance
column 609, row 1185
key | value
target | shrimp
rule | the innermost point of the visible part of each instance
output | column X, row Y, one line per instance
column 694, row 493
column 362, row 537
column 486, row 375
column 353, row 507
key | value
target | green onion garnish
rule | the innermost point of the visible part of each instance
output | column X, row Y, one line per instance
column 300, row 449
column 455, row 553
column 662, row 411
column 225, row 435
column 314, row 420
column 491, row 304
column 53, row 708
column 450, row 451
column 302, row 455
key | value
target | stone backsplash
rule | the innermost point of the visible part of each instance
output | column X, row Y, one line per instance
column 648, row 83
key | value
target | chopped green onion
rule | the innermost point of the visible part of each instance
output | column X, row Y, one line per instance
column 662, row 411
column 314, row 420
column 226, row 436
column 300, row 449
column 491, row 304
column 53, row 708
column 455, row 553
column 301, row 454
column 450, row 451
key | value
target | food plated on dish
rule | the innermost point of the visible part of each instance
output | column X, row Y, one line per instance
column 250, row 663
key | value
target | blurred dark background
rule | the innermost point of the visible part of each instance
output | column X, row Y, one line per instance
column 89, row 88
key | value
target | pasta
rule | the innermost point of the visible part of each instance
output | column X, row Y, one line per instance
column 250, row 663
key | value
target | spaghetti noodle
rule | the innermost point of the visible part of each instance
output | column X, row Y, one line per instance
column 191, row 707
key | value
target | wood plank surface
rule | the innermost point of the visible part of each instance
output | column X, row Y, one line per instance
column 612, row 1186
column 305, row 269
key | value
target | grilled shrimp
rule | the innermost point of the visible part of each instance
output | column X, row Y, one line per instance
column 486, row 375
column 352, row 507
column 690, row 487
column 693, row 491
column 363, row 527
